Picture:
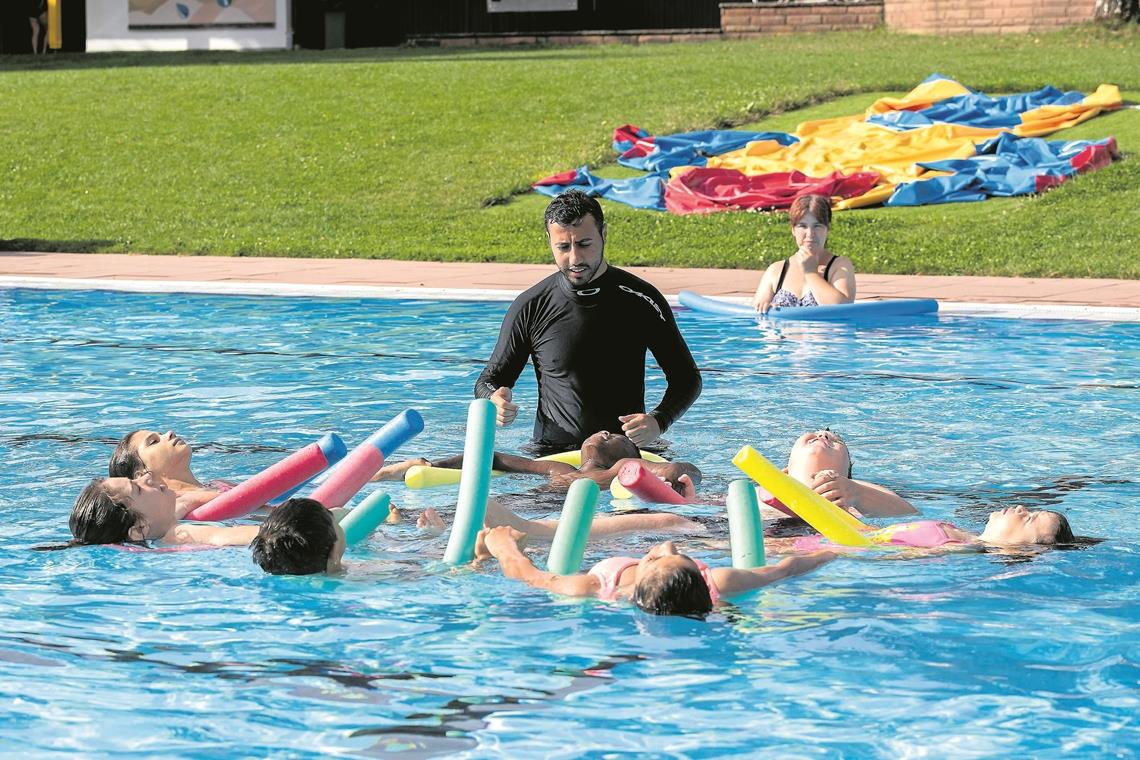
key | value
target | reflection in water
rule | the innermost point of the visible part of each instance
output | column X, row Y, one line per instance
column 451, row 728
column 447, row 729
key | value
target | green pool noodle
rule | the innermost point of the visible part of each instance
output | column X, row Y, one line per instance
column 474, row 482
column 745, row 529
column 573, row 528
column 365, row 517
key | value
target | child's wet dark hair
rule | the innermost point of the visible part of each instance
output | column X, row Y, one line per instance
column 674, row 591
column 98, row 518
column 125, row 460
column 296, row 539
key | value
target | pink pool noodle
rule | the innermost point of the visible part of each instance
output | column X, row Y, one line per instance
column 362, row 462
column 350, row 476
column 775, row 503
column 643, row 484
column 272, row 481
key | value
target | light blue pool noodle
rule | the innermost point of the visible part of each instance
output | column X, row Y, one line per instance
column 895, row 307
column 365, row 517
column 474, row 482
column 745, row 528
column 573, row 528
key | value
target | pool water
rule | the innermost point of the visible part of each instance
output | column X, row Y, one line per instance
column 112, row 652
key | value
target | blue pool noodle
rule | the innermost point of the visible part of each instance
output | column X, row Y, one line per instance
column 474, row 482
column 897, row 307
column 365, row 517
column 745, row 528
column 402, row 428
column 573, row 528
column 334, row 450
column 399, row 430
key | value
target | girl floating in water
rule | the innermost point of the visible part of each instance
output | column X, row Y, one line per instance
column 141, row 509
column 662, row 582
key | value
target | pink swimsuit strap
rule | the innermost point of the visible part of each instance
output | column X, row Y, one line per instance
column 609, row 571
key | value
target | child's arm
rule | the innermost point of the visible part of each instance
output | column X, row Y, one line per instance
column 865, row 498
column 190, row 500
column 880, row 501
column 673, row 472
column 502, row 543
column 213, row 535
column 602, row 525
column 396, row 470
column 730, row 581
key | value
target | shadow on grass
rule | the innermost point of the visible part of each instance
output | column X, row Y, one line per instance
column 260, row 57
column 41, row 245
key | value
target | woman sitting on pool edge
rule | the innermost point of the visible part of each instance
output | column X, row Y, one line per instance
column 662, row 582
column 141, row 509
column 818, row 276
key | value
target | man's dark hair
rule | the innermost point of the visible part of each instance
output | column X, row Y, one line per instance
column 125, row 460
column 572, row 206
column 676, row 591
column 296, row 539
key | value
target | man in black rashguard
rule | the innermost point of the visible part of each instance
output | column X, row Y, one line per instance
column 586, row 329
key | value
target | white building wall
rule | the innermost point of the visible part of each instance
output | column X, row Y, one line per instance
column 108, row 30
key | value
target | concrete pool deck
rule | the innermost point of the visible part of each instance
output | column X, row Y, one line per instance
column 1011, row 296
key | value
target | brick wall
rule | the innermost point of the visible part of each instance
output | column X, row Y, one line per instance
column 957, row 16
column 742, row 20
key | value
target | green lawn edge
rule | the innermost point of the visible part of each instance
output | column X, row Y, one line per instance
column 397, row 153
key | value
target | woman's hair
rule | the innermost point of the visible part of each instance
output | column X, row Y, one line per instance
column 97, row 518
column 296, row 539
column 818, row 205
column 674, row 591
column 125, row 460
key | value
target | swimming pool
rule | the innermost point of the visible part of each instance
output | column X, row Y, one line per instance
column 104, row 651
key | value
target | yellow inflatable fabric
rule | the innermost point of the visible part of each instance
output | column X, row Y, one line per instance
column 850, row 144
column 424, row 476
column 837, row 525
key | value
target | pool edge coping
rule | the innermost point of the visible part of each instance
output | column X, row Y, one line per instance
column 298, row 290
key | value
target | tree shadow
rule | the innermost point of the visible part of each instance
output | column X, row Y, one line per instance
column 43, row 245
column 63, row 61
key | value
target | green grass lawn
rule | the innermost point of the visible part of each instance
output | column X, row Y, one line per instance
column 425, row 154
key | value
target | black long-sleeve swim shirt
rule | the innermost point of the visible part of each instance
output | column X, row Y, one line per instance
column 588, row 349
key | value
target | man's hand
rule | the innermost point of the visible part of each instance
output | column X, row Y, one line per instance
column 839, row 490
column 495, row 542
column 640, row 428
column 505, row 411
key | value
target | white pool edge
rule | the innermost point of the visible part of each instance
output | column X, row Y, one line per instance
column 250, row 288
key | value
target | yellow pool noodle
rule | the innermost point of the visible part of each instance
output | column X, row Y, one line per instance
column 837, row 525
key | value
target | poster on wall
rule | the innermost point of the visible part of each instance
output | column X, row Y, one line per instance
column 530, row 6
column 200, row 14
